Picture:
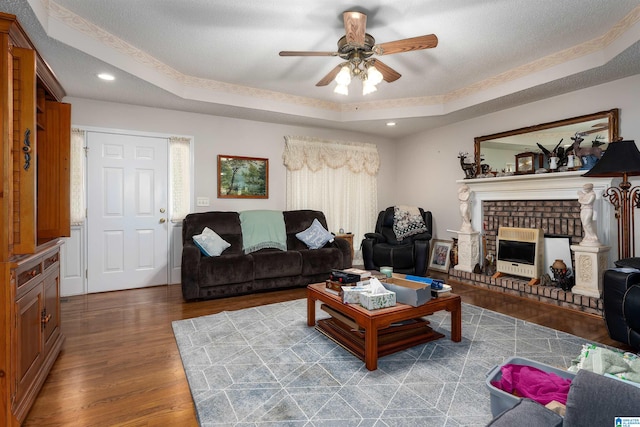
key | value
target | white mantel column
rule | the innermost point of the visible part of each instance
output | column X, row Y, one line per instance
column 591, row 262
column 468, row 250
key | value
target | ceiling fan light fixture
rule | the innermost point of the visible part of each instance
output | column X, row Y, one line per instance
column 373, row 75
column 368, row 87
column 342, row 89
column 343, row 78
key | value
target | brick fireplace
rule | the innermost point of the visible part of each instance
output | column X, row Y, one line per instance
column 547, row 201
column 558, row 217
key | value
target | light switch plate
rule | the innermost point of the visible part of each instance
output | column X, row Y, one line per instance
column 202, row 201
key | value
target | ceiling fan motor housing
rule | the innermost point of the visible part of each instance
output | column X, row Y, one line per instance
column 348, row 50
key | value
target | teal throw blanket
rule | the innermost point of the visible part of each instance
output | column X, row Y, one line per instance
column 263, row 229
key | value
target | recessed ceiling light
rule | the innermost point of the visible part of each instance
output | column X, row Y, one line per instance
column 105, row 76
column 391, row 123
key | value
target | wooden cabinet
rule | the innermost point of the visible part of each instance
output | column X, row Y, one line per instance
column 35, row 129
column 37, row 325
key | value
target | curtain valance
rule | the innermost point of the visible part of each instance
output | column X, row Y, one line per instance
column 317, row 153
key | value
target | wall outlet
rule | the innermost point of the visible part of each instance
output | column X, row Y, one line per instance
column 202, row 201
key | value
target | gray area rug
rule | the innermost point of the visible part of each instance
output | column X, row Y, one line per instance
column 264, row 366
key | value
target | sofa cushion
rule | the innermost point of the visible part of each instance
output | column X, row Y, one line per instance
column 270, row 263
column 596, row 400
column 225, row 224
column 526, row 413
column 399, row 257
column 316, row 236
column 210, row 243
column 299, row 220
column 320, row 261
column 225, row 269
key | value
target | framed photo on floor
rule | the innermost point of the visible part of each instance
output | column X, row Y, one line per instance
column 243, row 177
column 439, row 258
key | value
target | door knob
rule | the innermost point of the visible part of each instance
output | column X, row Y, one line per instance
column 162, row 220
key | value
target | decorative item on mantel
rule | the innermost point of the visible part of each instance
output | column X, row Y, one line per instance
column 469, row 169
column 589, row 155
column 557, row 158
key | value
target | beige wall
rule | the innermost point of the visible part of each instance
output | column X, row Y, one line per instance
column 215, row 135
column 425, row 165
column 428, row 161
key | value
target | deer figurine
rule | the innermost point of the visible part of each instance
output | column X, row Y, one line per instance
column 469, row 169
column 584, row 151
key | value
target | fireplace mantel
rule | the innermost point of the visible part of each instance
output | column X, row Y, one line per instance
column 547, row 186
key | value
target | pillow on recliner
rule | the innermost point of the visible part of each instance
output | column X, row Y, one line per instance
column 407, row 221
column 316, row 236
column 210, row 243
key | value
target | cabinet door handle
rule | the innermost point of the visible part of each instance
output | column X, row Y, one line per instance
column 45, row 318
column 27, row 149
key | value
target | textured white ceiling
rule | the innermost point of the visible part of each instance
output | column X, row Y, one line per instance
column 221, row 57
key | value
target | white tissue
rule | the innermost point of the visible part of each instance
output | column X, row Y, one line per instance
column 376, row 287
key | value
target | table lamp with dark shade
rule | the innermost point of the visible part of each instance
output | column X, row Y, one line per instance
column 621, row 159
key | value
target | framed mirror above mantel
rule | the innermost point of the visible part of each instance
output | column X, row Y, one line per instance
column 506, row 150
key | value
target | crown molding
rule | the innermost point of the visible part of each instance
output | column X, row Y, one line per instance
column 578, row 58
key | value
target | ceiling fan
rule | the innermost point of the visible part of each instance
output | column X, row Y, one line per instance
column 356, row 47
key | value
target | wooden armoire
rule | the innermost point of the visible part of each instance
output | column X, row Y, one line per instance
column 35, row 128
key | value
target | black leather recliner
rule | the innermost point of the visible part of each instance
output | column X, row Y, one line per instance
column 621, row 301
column 409, row 255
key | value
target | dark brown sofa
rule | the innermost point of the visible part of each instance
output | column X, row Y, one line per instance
column 236, row 273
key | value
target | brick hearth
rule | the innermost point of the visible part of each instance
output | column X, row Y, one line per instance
column 520, row 287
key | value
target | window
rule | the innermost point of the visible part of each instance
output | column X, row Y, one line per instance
column 337, row 178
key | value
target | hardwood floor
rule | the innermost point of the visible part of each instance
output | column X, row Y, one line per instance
column 120, row 364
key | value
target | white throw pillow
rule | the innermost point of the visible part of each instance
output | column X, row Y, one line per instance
column 210, row 243
column 316, row 236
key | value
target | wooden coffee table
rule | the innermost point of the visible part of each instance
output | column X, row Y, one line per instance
column 376, row 333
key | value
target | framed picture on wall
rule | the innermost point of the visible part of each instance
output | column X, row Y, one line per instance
column 439, row 258
column 243, row 177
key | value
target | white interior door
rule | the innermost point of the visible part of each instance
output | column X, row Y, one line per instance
column 127, row 211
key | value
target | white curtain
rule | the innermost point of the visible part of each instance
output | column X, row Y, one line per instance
column 179, row 177
column 76, row 160
column 335, row 177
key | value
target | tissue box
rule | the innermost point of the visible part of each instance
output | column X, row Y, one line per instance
column 409, row 292
column 373, row 302
column 351, row 294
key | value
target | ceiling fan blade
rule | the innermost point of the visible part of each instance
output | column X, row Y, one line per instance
column 407, row 45
column 306, row 53
column 355, row 24
column 329, row 77
column 388, row 74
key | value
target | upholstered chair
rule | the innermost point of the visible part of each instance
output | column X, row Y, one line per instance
column 621, row 301
column 408, row 255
